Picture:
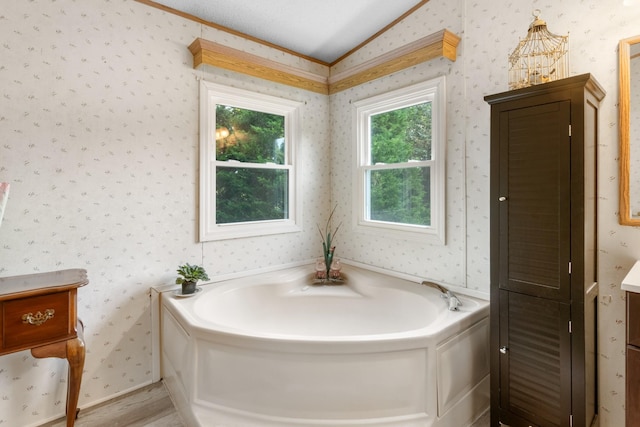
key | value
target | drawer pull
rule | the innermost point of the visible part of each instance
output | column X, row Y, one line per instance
column 38, row 318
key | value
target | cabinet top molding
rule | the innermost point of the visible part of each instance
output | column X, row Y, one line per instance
column 583, row 80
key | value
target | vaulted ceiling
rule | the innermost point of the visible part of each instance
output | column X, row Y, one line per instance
column 325, row 30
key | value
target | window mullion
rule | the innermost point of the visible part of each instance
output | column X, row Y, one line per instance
column 408, row 165
column 247, row 165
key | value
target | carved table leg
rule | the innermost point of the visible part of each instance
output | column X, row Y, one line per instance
column 73, row 350
column 75, row 356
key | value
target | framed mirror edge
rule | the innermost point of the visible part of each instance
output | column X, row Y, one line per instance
column 624, row 90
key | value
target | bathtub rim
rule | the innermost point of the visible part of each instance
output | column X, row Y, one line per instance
column 458, row 290
column 156, row 292
column 438, row 330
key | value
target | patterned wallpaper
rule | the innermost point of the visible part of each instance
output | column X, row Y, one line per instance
column 442, row 263
column 99, row 131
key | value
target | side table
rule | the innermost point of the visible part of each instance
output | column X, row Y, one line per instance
column 39, row 312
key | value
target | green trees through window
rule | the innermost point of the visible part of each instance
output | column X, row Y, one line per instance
column 400, row 162
column 248, row 174
column 401, row 195
column 252, row 136
column 255, row 193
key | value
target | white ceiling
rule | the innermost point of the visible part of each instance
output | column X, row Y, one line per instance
column 321, row 29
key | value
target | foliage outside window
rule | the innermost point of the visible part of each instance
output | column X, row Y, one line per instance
column 400, row 162
column 247, row 164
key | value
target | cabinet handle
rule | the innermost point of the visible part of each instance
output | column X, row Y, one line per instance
column 38, row 318
column 502, row 199
column 504, row 349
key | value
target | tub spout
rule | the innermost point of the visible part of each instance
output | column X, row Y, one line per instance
column 451, row 298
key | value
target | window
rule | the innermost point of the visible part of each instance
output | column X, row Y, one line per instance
column 247, row 164
column 400, row 162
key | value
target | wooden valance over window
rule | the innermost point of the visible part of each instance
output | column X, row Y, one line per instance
column 441, row 44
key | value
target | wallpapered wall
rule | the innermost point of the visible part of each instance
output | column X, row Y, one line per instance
column 489, row 33
column 99, row 131
column 99, row 137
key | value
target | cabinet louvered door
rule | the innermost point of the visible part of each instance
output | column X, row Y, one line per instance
column 543, row 254
column 535, row 361
column 535, row 216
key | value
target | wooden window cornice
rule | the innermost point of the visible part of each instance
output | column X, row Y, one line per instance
column 441, row 44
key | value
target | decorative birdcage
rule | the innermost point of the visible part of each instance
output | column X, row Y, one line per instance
column 540, row 57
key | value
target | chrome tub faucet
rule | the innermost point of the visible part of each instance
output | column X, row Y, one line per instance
column 450, row 297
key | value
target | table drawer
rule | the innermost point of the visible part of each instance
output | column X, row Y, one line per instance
column 49, row 315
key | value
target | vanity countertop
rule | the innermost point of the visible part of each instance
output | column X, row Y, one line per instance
column 631, row 282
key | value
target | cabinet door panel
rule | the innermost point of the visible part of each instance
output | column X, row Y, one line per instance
column 633, row 359
column 535, row 178
column 633, row 386
column 535, row 363
column 633, row 319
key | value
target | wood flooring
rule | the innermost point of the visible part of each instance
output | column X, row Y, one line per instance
column 150, row 406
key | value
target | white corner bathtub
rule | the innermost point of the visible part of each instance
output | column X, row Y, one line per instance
column 275, row 350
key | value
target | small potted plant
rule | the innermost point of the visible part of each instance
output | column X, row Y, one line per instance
column 328, row 250
column 190, row 275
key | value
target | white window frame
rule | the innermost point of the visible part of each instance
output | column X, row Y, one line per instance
column 212, row 94
column 431, row 90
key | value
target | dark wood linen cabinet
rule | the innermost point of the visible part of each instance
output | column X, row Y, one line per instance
column 543, row 254
column 632, row 404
